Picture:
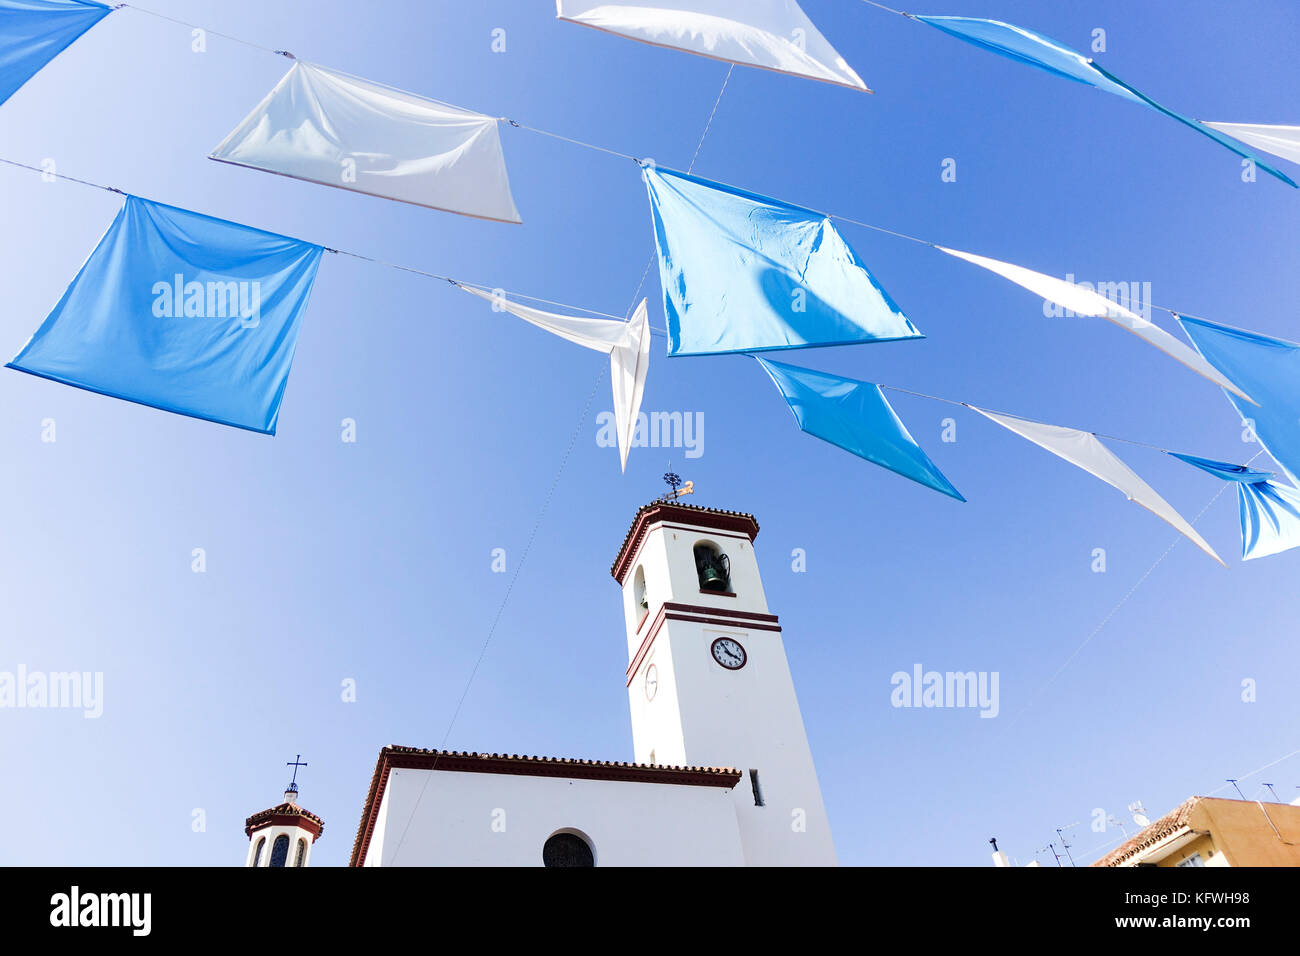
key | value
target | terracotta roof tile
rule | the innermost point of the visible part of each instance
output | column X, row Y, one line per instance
column 740, row 519
column 313, row 822
column 1171, row 822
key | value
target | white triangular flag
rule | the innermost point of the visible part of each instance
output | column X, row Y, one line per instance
column 338, row 130
column 770, row 34
column 1281, row 141
column 626, row 343
column 1086, row 302
column 1087, row 452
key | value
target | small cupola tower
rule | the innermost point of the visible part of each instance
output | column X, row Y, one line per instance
column 284, row 834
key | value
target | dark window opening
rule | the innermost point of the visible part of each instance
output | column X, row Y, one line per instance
column 567, row 849
column 280, row 851
column 758, row 791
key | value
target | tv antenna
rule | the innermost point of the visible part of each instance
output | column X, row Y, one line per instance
column 1064, row 845
column 1139, row 813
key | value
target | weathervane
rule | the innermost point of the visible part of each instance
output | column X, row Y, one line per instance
column 679, row 488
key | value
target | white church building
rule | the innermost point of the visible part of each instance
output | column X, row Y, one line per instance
column 723, row 775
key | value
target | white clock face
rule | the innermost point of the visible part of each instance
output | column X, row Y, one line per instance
column 728, row 652
column 651, row 682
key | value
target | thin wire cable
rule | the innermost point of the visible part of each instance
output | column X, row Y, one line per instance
column 519, row 566
column 569, row 139
column 197, row 26
column 1266, row 766
column 531, row 537
column 582, row 143
column 888, row 232
column 949, row 401
column 1122, row 601
column 621, row 155
column 563, row 305
column 632, row 305
column 71, row 179
column 887, row 9
column 709, row 125
column 1092, row 852
column 286, row 53
column 353, row 255
column 698, row 146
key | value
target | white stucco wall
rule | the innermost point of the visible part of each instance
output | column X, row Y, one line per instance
column 488, row 819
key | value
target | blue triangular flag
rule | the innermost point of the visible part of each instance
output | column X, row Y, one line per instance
column 744, row 273
column 1270, row 518
column 1268, row 370
column 1026, row 46
column 33, row 32
column 855, row 416
column 1225, row 470
column 1270, row 512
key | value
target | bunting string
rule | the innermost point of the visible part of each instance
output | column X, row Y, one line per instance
column 849, row 306
column 484, row 287
column 210, row 32
column 887, row 9
column 968, row 405
column 356, row 255
column 1173, row 312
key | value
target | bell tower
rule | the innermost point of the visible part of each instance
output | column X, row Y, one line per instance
column 707, row 678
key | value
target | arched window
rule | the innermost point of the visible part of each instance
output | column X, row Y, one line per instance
column 280, row 851
column 713, row 567
column 301, row 856
column 567, row 849
column 257, row 855
column 639, row 592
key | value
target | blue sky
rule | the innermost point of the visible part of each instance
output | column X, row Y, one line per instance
column 372, row 561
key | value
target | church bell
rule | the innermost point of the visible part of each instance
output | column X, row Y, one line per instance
column 714, row 570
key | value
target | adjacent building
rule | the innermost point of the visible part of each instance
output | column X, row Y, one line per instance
column 1209, row 831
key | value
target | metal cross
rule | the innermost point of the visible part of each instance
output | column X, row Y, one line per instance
column 295, row 764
